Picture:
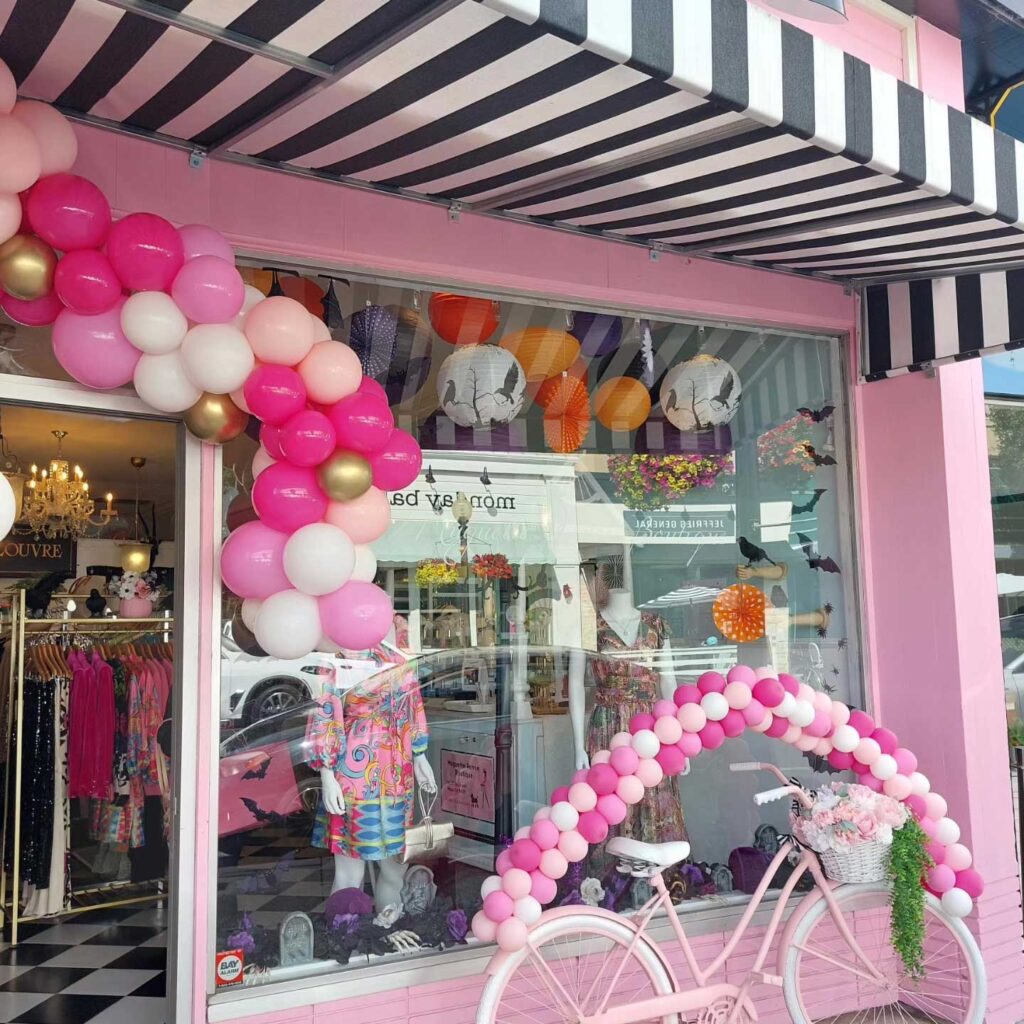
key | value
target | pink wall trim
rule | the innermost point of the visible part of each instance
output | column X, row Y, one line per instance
column 940, row 66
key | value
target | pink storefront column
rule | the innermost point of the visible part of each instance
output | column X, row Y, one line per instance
column 933, row 627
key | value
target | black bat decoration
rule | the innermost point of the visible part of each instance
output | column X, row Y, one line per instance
column 814, row 560
column 841, row 644
column 258, row 773
column 722, row 398
column 817, row 415
column 809, row 505
column 818, row 460
column 268, row 817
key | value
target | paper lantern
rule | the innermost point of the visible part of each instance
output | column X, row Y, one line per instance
column 597, row 333
column 372, row 333
column 463, row 319
column 700, row 393
column 738, row 612
column 622, row 403
column 481, row 384
column 410, row 362
column 566, row 415
column 542, row 352
column 304, row 290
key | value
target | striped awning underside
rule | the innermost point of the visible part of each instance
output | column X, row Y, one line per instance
column 915, row 325
column 707, row 127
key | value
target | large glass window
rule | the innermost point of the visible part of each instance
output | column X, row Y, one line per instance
column 609, row 506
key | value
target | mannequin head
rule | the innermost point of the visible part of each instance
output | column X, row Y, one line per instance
column 620, row 601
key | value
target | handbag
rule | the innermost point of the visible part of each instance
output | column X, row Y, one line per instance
column 428, row 839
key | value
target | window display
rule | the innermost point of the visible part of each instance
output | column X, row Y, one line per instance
column 609, row 507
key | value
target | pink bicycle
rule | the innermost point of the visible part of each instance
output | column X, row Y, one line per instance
column 834, row 962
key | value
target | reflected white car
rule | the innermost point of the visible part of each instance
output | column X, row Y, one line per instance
column 254, row 687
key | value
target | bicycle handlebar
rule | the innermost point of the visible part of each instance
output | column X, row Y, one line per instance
column 759, row 766
column 786, row 789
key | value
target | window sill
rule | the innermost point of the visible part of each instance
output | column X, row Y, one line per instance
column 311, row 985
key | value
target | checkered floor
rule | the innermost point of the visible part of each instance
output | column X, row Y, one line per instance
column 104, row 967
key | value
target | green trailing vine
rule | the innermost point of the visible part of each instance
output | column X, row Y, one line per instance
column 908, row 862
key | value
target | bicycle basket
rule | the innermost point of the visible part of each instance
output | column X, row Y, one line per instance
column 866, row 862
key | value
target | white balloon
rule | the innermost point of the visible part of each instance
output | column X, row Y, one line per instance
column 565, row 816
column 366, row 564
column 328, row 646
column 217, row 358
column 260, row 461
column 845, row 739
column 957, row 903
column 288, row 625
column 884, row 767
column 715, row 706
column 318, row 559
column 252, row 296
column 528, row 909
column 919, row 784
column 785, row 709
column 161, row 382
column 523, row 832
column 947, row 831
column 8, row 509
column 802, row 713
column 645, row 743
column 152, row 322
column 542, row 814
column 250, row 609
column 492, row 883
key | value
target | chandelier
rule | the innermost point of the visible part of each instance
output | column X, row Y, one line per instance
column 57, row 502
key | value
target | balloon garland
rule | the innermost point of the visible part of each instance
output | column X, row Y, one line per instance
column 658, row 744
column 140, row 301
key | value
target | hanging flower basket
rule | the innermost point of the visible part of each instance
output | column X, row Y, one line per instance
column 437, row 572
column 782, row 452
column 646, row 482
column 492, row 567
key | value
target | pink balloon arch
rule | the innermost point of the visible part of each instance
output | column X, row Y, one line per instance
column 140, row 301
column 658, row 744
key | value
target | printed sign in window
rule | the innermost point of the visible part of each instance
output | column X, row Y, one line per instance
column 467, row 785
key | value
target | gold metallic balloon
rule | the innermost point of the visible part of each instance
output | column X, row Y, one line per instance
column 345, row 476
column 26, row 267
column 215, row 418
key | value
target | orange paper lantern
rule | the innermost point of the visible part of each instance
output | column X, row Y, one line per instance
column 463, row 319
column 622, row 403
column 542, row 352
column 738, row 612
column 305, row 291
column 566, row 415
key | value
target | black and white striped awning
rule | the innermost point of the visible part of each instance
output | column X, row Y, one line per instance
column 703, row 126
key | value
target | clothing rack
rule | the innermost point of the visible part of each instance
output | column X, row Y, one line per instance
column 20, row 629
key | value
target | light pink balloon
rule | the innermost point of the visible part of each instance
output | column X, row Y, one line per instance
column 252, row 561
column 93, row 349
column 358, row 616
column 8, row 89
column 58, row 146
column 208, row 290
column 85, row 282
column 200, row 240
column 511, row 935
column 484, row 928
column 279, row 330
column 330, row 371
column 572, row 846
column 10, row 215
column 22, row 163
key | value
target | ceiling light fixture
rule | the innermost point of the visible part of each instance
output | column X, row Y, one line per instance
column 831, row 12
column 135, row 554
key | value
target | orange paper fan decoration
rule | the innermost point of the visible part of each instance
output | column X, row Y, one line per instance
column 542, row 351
column 566, row 414
column 738, row 612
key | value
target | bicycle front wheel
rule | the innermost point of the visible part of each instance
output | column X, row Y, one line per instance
column 825, row 982
column 574, row 966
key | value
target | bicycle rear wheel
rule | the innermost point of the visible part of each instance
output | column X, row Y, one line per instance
column 826, row 983
column 573, row 966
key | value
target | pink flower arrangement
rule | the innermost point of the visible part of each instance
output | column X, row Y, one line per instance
column 845, row 815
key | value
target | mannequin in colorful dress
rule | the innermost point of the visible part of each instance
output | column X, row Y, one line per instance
column 369, row 745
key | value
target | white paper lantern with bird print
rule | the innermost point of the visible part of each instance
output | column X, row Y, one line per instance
column 481, row 384
column 703, row 392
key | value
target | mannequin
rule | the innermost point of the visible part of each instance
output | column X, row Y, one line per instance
column 369, row 745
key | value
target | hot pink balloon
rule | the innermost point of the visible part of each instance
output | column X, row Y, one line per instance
column 398, row 463
column 358, row 616
column 208, row 290
column 307, row 439
column 640, row 721
column 270, row 438
column 862, row 722
column 686, row 694
column 711, row 682
column 971, row 882
column 770, row 692
column 733, row 724
column 363, row 423
column 69, row 212
column 146, row 252
column 368, row 386
column 671, row 759
column 274, row 393
column 593, row 827
column 93, row 349
column 252, row 561
column 287, row 497
column 85, row 282
column 32, row 312
column 200, row 240
column 712, row 736
column 840, row 761
column 525, row 854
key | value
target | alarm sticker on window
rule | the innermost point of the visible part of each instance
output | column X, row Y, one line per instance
column 230, row 966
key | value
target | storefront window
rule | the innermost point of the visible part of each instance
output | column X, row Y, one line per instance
column 609, row 506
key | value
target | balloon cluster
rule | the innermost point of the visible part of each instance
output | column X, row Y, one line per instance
column 658, row 744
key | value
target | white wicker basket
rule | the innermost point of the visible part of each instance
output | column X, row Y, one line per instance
column 866, row 862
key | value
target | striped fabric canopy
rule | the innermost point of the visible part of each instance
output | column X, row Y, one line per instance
column 707, row 127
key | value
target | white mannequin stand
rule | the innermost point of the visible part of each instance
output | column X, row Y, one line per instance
column 625, row 619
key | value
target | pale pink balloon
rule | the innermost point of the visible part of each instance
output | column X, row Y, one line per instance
column 331, row 371
column 483, row 927
column 365, row 519
column 572, row 846
column 208, row 290
column 58, row 146
column 553, row 863
column 252, row 561
column 630, row 789
column 511, row 935
column 897, row 787
column 358, row 616
column 10, row 215
column 22, row 163
column 93, row 349
column 8, row 89
column 279, row 330
column 321, row 332
column 200, row 240
column 649, row 772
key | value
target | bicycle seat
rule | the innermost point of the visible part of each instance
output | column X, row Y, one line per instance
column 657, row 855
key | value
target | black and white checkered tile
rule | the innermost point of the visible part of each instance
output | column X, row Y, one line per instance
column 104, row 967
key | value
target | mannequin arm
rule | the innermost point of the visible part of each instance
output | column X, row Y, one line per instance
column 424, row 773
column 668, row 674
column 334, row 801
column 578, row 706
